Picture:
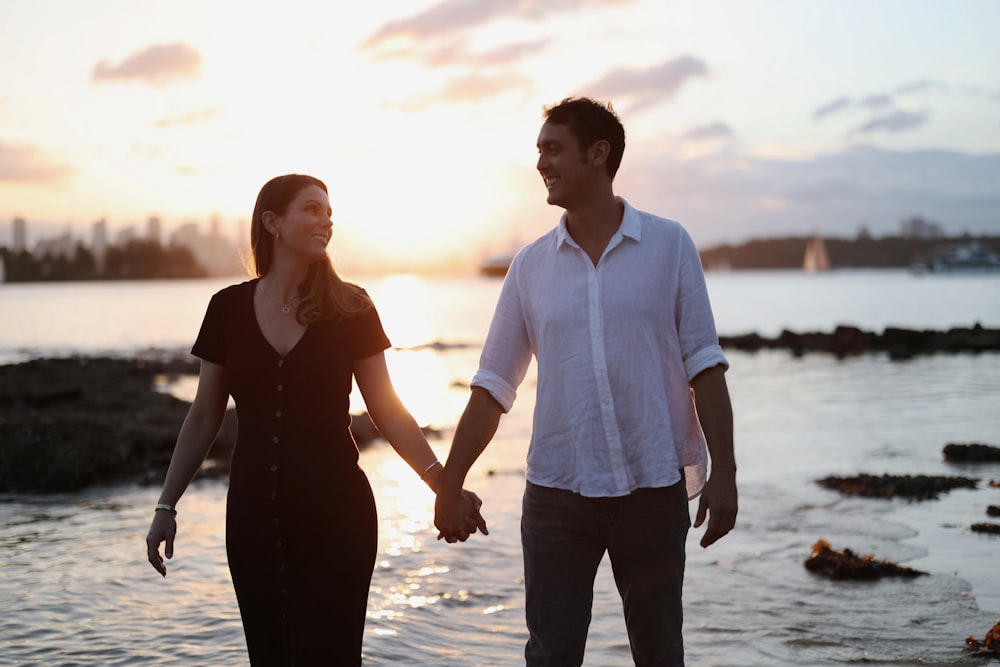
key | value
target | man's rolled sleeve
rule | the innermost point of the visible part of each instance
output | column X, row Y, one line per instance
column 703, row 359
column 501, row 390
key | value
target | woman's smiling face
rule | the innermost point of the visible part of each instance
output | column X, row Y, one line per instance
column 305, row 228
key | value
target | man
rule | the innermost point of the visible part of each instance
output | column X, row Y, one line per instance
column 613, row 304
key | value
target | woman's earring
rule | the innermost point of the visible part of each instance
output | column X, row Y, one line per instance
column 277, row 234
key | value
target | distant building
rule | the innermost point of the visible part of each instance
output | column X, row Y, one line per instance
column 919, row 228
column 100, row 244
column 186, row 235
column 213, row 252
column 63, row 245
column 125, row 236
column 20, row 243
column 154, row 230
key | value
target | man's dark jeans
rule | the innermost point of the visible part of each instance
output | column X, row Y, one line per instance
column 564, row 536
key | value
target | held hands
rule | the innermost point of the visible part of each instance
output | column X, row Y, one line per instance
column 162, row 529
column 456, row 515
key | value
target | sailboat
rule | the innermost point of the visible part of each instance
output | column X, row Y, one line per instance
column 816, row 258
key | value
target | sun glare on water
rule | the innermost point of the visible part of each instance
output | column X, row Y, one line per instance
column 420, row 378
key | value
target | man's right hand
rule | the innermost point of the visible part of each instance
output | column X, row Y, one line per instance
column 456, row 515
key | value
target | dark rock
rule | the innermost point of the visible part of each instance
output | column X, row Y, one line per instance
column 899, row 344
column 988, row 527
column 66, row 424
column 851, row 340
column 914, row 487
column 69, row 423
column 839, row 565
column 971, row 453
column 993, row 510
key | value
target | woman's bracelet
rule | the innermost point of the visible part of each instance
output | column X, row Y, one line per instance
column 429, row 468
column 166, row 508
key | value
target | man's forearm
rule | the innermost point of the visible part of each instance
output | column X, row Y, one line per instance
column 476, row 427
column 715, row 414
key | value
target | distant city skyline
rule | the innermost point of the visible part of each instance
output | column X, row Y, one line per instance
column 154, row 228
column 217, row 252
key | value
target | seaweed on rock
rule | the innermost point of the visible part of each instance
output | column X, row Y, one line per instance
column 990, row 646
column 914, row 487
column 987, row 527
column 840, row 565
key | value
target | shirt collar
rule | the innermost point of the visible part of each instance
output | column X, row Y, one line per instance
column 630, row 227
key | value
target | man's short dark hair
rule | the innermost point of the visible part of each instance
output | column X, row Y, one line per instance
column 590, row 121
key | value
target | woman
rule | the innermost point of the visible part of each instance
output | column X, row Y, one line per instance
column 300, row 520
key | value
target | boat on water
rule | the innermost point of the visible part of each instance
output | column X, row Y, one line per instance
column 816, row 257
column 496, row 265
column 972, row 257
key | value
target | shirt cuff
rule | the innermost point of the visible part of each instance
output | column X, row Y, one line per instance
column 704, row 359
column 501, row 390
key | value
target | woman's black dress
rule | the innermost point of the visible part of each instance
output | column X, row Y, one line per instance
column 300, row 520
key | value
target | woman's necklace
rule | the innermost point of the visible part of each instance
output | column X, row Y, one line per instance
column 286, row 308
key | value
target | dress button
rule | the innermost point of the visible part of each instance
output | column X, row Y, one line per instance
column 274, row 495
column 281, row 568
column 274, row 439
column 277, row 413
column 280, row 388
column 274, row 468
column 284, row 591
column 277, row 545
column 281, row 362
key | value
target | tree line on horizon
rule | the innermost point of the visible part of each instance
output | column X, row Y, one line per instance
column 864, row 252
column 139, row 259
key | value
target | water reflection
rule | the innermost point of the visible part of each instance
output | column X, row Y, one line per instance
column 423, row 382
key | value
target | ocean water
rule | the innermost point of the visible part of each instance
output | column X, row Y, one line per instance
column 75, row 588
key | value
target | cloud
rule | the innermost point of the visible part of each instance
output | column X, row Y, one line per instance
column 457, row 54
column 193, row 117
column 830, row 108
column 979, row 91
column 155, row 65
column 920, row 86
column 470, row 88
column 650, row 85
column 709, row 132
column 875, row 102
column 724, row 199
column 27, row 164
column 897, row 121
column 450, row 16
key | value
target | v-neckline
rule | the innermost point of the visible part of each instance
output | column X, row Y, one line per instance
column 260, row 329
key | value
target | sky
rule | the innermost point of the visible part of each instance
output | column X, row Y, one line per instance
column 744, row 118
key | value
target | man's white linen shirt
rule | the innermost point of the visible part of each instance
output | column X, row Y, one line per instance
column 617, row 345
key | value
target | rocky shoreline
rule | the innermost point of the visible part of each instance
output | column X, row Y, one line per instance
column 899, row 344
column 69, row 423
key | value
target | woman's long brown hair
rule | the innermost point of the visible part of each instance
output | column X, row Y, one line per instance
column 323, row 295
